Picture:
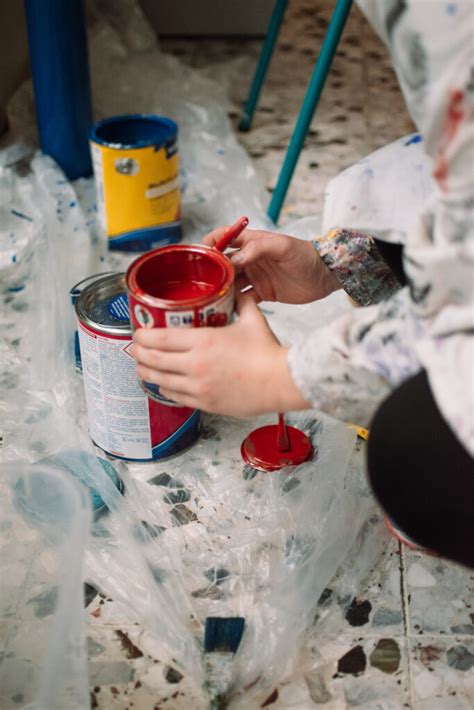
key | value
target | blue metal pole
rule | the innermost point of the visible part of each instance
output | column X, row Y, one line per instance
column 263, row 62
column 58, row 54
column 310, row 103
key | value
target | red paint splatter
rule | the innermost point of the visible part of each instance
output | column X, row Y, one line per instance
column 454, row 118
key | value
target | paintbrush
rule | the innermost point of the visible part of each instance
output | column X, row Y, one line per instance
column 221, row 640
column 231, row 233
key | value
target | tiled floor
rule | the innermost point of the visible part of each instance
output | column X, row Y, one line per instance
column 361, row 107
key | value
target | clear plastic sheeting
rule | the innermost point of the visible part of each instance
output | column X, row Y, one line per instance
column 44, row 523
column 199, row 535
column 202, row 534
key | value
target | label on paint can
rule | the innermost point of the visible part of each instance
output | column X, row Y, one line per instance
column 119, row 419
column 123, row 421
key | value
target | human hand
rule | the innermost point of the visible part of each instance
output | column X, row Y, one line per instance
column 238, row 370
column 279, row 267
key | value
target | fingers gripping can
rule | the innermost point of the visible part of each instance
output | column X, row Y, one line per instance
column 180, row 286
column 123, row 421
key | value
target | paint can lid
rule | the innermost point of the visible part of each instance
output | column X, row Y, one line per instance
column 137, row 130
column 78, row 288
column 260, row 449
column 103, row 306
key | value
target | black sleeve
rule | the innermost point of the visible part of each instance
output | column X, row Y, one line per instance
column 392, row 254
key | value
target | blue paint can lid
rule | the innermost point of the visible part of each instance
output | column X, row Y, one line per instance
column 137, row 130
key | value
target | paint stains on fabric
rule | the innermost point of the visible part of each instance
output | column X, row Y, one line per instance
column 358, row 612
column 386, row 656
column 353, row 662
column 454, row 117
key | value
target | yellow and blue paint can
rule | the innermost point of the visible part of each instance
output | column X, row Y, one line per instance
column 136, row 168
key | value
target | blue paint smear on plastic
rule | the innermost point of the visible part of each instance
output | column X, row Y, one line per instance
column 414, row 139
column 20, row 214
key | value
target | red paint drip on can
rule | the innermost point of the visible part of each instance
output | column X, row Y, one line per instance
column 180, row 286
column 123, row 421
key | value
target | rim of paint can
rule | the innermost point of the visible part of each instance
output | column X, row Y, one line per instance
column 78, row 288
column 103, row 291
column 134, row 130
column 220, row 288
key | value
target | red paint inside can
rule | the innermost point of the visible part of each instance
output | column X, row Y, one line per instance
column 179, row 274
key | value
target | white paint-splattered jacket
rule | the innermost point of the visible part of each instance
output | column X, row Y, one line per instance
column 350, row 366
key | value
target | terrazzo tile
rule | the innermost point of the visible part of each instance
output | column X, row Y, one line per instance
column 359, row 671
column 442, row 673
column 125, row 672
column 375, row 610
column 440, row 595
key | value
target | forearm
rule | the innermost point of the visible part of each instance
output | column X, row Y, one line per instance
column 348, row 367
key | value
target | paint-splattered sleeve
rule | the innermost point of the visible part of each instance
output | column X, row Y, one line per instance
column 355, row 260
column 349, row 367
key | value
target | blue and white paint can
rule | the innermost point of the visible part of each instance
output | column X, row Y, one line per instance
column 123, row 421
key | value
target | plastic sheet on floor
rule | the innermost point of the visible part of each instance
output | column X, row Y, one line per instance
column 199, row 535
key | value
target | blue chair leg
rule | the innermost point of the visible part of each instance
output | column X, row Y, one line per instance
column 263, row 62
column 310, row 103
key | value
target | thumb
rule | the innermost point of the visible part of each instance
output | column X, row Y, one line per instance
column 211, row 238
column 246, row 305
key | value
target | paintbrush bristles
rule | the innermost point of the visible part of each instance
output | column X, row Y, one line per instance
column 223, row 635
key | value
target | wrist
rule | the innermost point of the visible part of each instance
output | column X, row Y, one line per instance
column 284, row 394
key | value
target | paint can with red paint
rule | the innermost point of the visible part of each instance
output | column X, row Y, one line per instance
column 180, row 286
column 123, row 421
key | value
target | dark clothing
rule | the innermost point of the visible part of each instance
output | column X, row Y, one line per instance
column 421, row 474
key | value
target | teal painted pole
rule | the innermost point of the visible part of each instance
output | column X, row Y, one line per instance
column 263, row 62
column 310, row 103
